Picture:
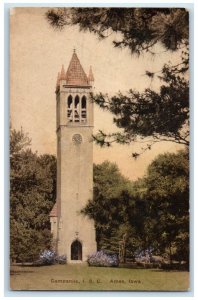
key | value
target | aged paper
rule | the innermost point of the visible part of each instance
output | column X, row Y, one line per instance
column 37, row 53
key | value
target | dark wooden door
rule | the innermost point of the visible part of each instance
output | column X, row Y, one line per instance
column 76, row 250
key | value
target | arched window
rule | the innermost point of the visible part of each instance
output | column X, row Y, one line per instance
column 69, row 108
column 77, row 109
column 76, row 250
column 84, row 109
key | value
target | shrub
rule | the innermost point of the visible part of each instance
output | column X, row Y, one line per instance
column 145, row 258
column 102, row 259
column 61, row 259
column 49, row 257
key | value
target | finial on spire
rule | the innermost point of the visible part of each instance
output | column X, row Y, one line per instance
column 74, row 49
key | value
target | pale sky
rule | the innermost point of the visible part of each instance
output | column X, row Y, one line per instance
column 37, row 53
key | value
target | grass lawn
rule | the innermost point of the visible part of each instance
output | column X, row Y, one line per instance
column 83, row 277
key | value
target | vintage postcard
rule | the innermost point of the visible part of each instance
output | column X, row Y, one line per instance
column 99, row 149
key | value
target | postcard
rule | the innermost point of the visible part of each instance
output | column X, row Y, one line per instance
column 99, row 149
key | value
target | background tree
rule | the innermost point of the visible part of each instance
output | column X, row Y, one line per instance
column 167, row 195
column 151, row 116
column 32, row 195
column 106, row 206
column 151, row 213
column 139, row 28
column 115, row 211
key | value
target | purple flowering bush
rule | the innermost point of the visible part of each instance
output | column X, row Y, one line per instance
column 50, row 257
column 143, row 255
column 61, row 259
column 102, row 259
column 147, row 259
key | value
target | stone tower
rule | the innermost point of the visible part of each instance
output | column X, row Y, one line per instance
column 73, row 233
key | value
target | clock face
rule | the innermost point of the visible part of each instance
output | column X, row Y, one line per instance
column 77, row 139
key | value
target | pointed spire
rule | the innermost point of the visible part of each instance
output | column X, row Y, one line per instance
column 58, row 80
column 62, row 73
column 90, row 76
column 75, row 75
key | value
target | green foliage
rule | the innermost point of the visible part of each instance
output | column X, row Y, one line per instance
column 162, row 115
column 140, row 28
column 168, row 197
column 152, row 212
column 32, row 195
column 106, row 207
column 114, row 210
column 150, row 117
column 108, row 184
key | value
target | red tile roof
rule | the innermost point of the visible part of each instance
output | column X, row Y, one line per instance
column 75, row 74
column 53, row 212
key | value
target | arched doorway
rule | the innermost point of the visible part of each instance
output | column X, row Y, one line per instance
column 76, row 250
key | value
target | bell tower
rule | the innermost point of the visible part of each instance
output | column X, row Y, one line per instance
column 73, row 233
